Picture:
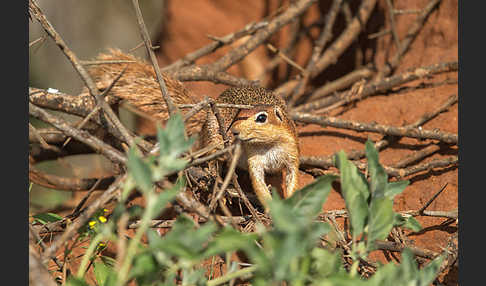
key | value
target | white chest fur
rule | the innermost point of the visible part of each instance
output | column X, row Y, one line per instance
column 271, row 158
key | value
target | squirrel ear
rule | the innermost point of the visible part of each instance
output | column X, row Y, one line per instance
column 278, row 113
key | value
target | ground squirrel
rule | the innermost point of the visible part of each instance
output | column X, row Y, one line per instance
column 268, row 135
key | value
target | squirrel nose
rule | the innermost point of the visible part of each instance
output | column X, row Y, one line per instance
column 236, row 133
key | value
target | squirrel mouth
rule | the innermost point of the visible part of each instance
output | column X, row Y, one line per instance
column 245, row 139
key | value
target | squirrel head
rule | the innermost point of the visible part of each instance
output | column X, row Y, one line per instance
column 263, row 124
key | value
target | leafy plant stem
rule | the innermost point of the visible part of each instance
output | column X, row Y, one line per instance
column 232, row 275
column 132, row 246
column 304, row 270
column 354, row 268
column 87, row 256
column 212, row 267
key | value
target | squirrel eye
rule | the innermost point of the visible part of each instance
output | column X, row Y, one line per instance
column 261, row 118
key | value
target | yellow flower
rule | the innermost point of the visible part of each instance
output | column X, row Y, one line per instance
column 92, row 224
column 101, row 244
column 102, row 219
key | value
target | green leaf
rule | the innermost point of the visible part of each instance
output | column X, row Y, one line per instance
column 193, row 277
column 381, row 220
column 135, row 211
column 341, row 279
column 309, row 200
column 394, row 188
column 143, row 264
column 428, row 274
column 101, row 272
column 295, row 232
column 326, row 263
column 172, row 140
column 406, row 273
column 184, row 240
column 407, row 222
column 166, row 165
column 283, row 250
column 388, row 274
column 283, row 217
column 379, row 178
column 166, row 196
column 108, row 261
column 140, row 171
column 412, row 224
column 72, row 281
column 172, row 143
column 230, row 240
column 355, row 192
column 47, row 217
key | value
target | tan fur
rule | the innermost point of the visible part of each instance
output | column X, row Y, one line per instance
column 268, row 147
column 139, row 86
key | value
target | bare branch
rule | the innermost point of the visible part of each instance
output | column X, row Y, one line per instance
column 249, row 29
column 332, row 53
column 408, row 39
column 80, row 135
column 373, row 127
column 341, row 83
column 325, row 36
column 398, row 247
column 76, row 105
column 35, row 10
column 379, row 86
column 65, row 184
column 148, row 45
column 83, row 218
column 228, row 177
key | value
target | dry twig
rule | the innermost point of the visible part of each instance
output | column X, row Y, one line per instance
column 228, row 177
column 408, row 39
column 76, row 105
column 215, row 70
column 83, row 218
column 38, row 274
column 66, row 184
column 249, row 29
column 80, row 135
column 378, row 128
column 398, row 247
column 71, row 56
column 325, row 36
column 332, row 53
column 148, row 45
column 379, row 86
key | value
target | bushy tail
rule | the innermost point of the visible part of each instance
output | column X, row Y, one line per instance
column 139, row 86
